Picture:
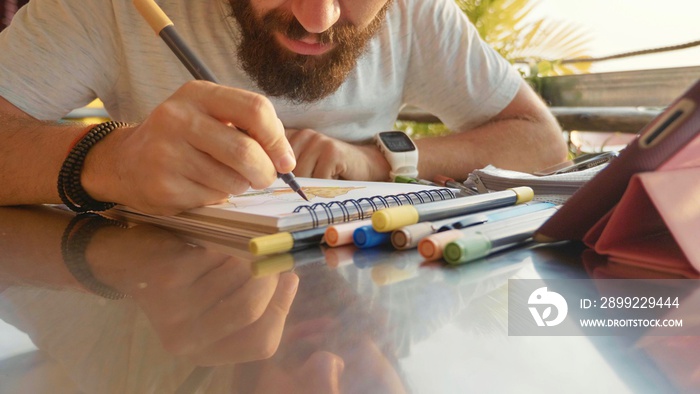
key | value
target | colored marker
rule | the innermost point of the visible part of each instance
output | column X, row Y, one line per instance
column 407, row 179
column 286, row 241
column 432, row 247
column 341, row 234
column 486, row 241
column 497, row 214
column 408, row 237
column 390, row 219
column 164, row 27
column 449, row 182
column 366, row 237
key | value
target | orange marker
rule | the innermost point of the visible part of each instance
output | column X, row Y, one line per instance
column 341, row 234
column 431, row 247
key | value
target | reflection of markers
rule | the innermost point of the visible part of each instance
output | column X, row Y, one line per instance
column 481, row 243
column 276, row 264
column 341, row 234
column 339, row 256
column 388, row 274
column 367, row 237
column 365, row 258
column 284, row 262
column 285, row 241
column 389, row 219
column 397, row 267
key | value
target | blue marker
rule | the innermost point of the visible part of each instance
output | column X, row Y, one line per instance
column 366, row 237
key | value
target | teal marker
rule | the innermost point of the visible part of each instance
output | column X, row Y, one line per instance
column 481, row 243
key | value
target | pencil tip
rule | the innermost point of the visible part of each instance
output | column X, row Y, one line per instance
column 302, row 194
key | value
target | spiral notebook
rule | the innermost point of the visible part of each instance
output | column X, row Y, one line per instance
column 278, row 208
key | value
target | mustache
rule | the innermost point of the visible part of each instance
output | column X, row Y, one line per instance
column 288, row 25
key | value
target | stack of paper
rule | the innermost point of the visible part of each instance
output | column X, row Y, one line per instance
column 551, row 188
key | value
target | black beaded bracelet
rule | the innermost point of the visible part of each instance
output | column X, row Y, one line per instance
column 74, row 242
column 69, row 187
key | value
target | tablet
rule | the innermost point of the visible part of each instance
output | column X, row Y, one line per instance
column 669, row 141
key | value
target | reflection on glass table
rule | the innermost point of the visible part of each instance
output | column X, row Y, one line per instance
column 209, row 319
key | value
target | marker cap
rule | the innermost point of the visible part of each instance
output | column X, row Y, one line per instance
column 333, row 237
column 466, row 249
column 432, row 246
column 408, row 237
column 153, row 14
column 366, row 237
column 523, row 194
column 341, row 234
column 393, row 218
column 270, row 244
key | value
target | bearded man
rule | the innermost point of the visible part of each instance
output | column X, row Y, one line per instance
column 310, row 81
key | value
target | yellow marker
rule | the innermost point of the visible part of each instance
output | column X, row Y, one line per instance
column 390, row 219
column 270, row 244
column 286, row 242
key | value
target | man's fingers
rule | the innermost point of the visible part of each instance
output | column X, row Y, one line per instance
column 212, row 173
column 237, row 310
column 247, row 111
column 258, row 340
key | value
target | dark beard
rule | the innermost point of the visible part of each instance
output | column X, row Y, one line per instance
column 299, row 78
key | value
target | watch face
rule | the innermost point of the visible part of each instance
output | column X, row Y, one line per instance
column 397, row 141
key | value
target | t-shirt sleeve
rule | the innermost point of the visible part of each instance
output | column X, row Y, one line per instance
column 50, row 64
column 453, row 73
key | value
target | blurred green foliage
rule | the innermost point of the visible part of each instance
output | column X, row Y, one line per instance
column 536, row 45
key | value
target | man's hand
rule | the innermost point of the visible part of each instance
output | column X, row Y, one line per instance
column 191, row 151
column 203, row 305
column 320, row 156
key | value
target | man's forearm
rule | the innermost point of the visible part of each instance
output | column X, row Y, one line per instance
column 31, row 154
column 520, row 144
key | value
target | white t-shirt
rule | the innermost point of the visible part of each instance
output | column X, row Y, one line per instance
column 59, row 55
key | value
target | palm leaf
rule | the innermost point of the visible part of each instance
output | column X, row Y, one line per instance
column 539, row 43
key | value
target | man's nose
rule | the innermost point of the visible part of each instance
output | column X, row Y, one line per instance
column 316, row 16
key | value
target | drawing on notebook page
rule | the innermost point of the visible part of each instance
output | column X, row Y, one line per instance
column 263, row 196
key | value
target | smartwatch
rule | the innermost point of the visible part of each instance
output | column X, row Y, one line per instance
column 400, row 151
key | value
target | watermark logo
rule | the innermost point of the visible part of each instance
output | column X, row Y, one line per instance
column 543, row 297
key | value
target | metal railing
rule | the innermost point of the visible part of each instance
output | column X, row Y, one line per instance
column 618, row 101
